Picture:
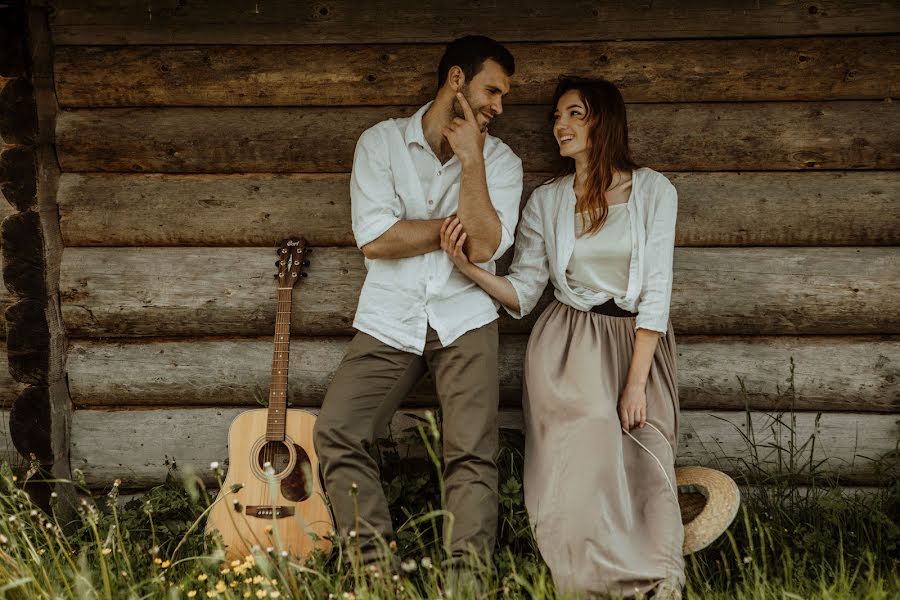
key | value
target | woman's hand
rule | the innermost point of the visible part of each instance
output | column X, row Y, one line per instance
column 453, row 239
column 633, row 407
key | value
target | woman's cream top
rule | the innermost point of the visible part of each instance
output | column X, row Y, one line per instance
column 600, row 261
column 546, row 239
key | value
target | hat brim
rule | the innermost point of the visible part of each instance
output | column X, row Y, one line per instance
column 723, row 498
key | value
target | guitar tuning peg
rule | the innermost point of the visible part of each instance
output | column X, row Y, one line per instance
column 276, row 275
column 304, row 274
column 305, row 263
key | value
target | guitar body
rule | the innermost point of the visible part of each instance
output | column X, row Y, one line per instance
column 296, row 512
column 272, row 464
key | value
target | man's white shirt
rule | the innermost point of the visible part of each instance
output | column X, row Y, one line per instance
column 396, row 176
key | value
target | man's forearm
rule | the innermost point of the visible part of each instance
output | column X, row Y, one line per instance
column 477, row 214
column 405, row 239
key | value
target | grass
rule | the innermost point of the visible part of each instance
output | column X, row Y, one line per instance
column 785, row 543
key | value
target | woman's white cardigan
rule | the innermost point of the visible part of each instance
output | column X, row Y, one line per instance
column 545, row 240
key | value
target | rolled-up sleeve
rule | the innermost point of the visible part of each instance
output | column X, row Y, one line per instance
column 529, row 270
column 505, row 189
column 374, row 204
column 656, row 292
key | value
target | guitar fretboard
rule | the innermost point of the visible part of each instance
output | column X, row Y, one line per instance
column 275, row 425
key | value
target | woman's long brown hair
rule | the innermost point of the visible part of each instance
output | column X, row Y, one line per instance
column 608, row 150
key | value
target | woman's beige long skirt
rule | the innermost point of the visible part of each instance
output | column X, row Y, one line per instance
column 603, row 514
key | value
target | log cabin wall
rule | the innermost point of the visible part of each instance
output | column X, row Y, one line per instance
column 193, row 136
column 34, row 403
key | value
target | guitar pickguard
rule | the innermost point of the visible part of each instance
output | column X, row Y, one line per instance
column 297, row 486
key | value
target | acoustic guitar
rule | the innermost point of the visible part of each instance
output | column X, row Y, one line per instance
column 272, row 496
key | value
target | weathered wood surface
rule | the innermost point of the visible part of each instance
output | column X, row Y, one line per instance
column 6, row 300
column 673, row 71
column 7, row 209
column 136, row 445
column 844, row 373
column 31, row 425
column 18, row 112
column 9, row 387
column 675, row 137
column 28, row 340
column 8, row 452
column 24, row 264
column 715, row 209
column 135, row 292
column 18, row 178
column 350, row 21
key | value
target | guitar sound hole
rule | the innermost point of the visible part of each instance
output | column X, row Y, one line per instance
column 275, row 453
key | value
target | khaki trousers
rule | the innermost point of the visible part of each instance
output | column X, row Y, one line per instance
column 367, row 388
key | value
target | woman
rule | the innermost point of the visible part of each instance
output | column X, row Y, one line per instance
column 601, row 397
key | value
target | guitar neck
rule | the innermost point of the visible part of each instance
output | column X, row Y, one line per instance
column 278, row 391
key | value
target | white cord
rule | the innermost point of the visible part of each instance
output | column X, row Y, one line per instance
column 665, row 474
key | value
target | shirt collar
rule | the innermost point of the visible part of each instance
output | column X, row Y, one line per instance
column 414, row 132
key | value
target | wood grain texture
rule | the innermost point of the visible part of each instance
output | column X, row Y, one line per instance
column 842, row 373
column 852, row 68
column 18, row 178
column 846, row 444
column 28, row 340
column 139, row 292
column 349, row 21
column 6, row 300
column 31, row 424
column 8, row 452
column 674, row 137
column 9, row 387
column 715, row 209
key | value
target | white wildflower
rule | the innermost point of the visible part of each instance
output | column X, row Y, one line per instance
column 409, row 565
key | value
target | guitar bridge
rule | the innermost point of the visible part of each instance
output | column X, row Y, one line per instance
column 270, row 512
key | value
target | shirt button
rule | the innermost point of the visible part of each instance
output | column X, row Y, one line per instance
column 431, row 202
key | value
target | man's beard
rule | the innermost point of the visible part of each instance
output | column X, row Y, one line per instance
column 458, row 111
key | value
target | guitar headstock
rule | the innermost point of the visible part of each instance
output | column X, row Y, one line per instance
column 292, row 258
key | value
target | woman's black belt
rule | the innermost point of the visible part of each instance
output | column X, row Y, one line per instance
column 611, row 309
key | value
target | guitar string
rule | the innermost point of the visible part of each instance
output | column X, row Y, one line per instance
column 270, row 451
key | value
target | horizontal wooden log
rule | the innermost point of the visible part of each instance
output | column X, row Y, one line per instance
column 136, row 292
column 13, row 40
column 848, row 492
column 28, row 340
column 6, row 300
column 24, row 265
column 715, row 209
column 9, row 387
column 30, row 425
column 18, row 178
column 8, row 452
column 350, row 21
column 673, row 137
column 18, row 112
column 678, row 71
column 847, row 373
column 137, row 445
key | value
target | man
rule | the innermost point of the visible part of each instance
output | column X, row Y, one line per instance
column 416, row 312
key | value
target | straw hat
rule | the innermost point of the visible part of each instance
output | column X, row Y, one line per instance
column 709, row 501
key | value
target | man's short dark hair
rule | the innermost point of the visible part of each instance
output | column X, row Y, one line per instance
column 469, row 53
